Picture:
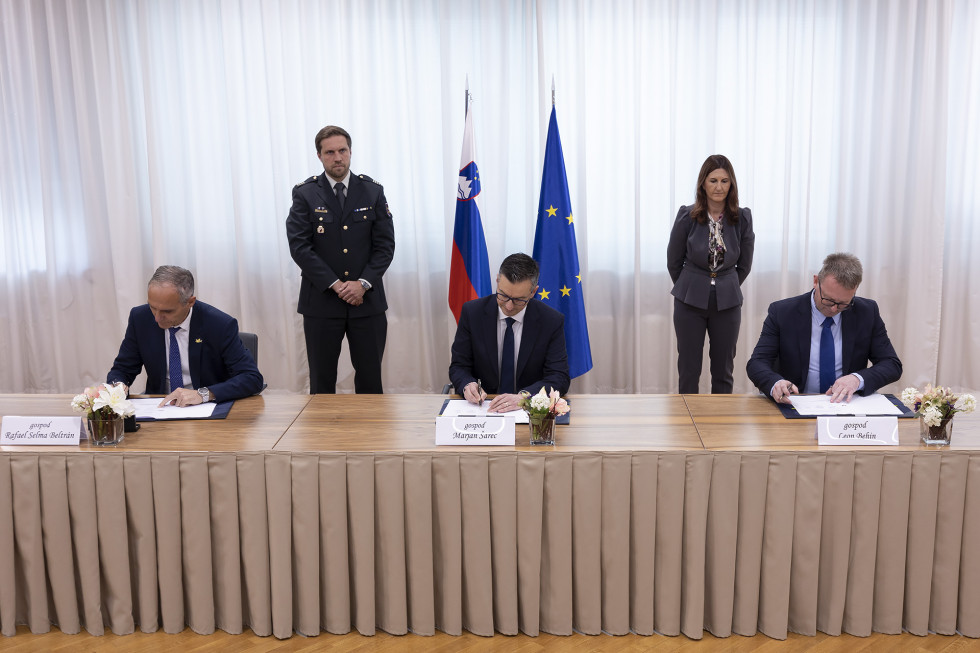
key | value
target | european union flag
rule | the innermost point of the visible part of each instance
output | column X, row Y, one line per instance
column 560, row 284
column 469, row 266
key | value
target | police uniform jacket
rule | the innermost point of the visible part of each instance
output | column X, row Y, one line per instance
column 330, row 244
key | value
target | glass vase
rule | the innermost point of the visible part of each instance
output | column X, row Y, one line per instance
column 542, row 429
column 103, row 432
column 936, row 434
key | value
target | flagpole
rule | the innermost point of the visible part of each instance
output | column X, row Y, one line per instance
column 552, row 90
column 466, row 100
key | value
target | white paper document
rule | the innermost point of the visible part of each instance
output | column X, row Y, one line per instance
column 150, row 408
column 461, row 407
column 814, row 405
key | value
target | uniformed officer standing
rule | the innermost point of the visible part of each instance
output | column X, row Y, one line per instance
column 342, row 237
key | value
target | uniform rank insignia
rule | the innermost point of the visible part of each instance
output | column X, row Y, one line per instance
column 319, row 229
column 387, row 210
column 321, row 209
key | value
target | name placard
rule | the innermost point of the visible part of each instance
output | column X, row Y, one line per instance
column 40, row 430
column 482, row 430
column 851, row 431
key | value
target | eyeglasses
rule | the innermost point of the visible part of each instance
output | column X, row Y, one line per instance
column 829, row 303
column 503, row 299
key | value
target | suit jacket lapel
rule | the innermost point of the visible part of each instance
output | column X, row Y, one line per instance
column 158, row 352
column 846, row 340
column 195, row 340
column 803, row 336
column 730, row 235
column 528, row 332
column 487, row 337
column 355, row 195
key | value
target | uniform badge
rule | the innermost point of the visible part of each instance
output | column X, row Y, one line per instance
column 387, row 210
column 321, row 209
column 319, row 229
column 198, row 341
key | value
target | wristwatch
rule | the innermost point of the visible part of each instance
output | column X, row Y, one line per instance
column 205, row 394
column 365, row 285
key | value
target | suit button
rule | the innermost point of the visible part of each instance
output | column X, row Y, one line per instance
column 346, row 274
column 365, row 217
column 345, row 250
column 321, row 218
column 345, row 227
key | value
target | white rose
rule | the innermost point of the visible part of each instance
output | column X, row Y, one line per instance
column 115, row 398
column 540, row 403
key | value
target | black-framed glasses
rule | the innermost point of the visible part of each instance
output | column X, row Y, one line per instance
column 503, row 299
column 830, row 303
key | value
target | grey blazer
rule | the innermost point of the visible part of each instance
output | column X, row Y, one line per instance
column 687, row 260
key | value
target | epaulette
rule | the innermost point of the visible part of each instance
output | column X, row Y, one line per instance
column 366, row 178
column 313, row 178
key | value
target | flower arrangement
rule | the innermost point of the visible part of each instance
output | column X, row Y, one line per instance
column 104, row 401
column 937, row 405
column 543, row 404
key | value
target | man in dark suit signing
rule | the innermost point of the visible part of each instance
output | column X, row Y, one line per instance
column 191, row 350
column 821, row 342
column 342, row 237
column 509, row 341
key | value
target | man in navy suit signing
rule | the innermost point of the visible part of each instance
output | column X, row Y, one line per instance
column 191, row 351
column 822, row 342
column 509, row 341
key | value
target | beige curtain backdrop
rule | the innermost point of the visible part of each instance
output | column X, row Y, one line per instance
column 134, row 134
column 671, row 543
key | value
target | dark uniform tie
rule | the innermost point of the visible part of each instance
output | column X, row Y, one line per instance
column 341, row 195
column 507, row 360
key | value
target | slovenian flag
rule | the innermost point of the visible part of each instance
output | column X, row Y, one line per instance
column 469, row 268
column 560, row 283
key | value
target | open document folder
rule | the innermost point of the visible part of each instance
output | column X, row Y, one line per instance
column 820, row 405
column 150, row 409
column 461, row 407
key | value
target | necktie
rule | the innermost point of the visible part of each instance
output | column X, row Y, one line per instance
column 176, row 376
column 828, row 364
column 507, row 360
column 341, row 195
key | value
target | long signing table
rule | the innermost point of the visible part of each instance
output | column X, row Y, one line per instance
column 672, row 514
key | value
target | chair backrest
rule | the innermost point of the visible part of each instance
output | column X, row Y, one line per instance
column 251, row 342
column 447, row 389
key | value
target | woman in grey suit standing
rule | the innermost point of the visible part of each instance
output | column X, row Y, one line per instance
column 708, row 257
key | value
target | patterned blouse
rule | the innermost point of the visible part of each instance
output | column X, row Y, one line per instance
column 716, row 243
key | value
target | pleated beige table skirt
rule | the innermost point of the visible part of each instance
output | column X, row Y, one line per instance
column 508, row 542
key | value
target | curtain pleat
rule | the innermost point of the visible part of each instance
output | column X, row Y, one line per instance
column 619, row 542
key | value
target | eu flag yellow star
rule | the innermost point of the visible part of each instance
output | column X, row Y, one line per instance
column 565, row 290
column 544, row 294
column 551, row 211
column 579, row 277
column 570, row 218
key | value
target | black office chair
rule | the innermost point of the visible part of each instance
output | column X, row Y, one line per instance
column 447, row 389
column 251, row 342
